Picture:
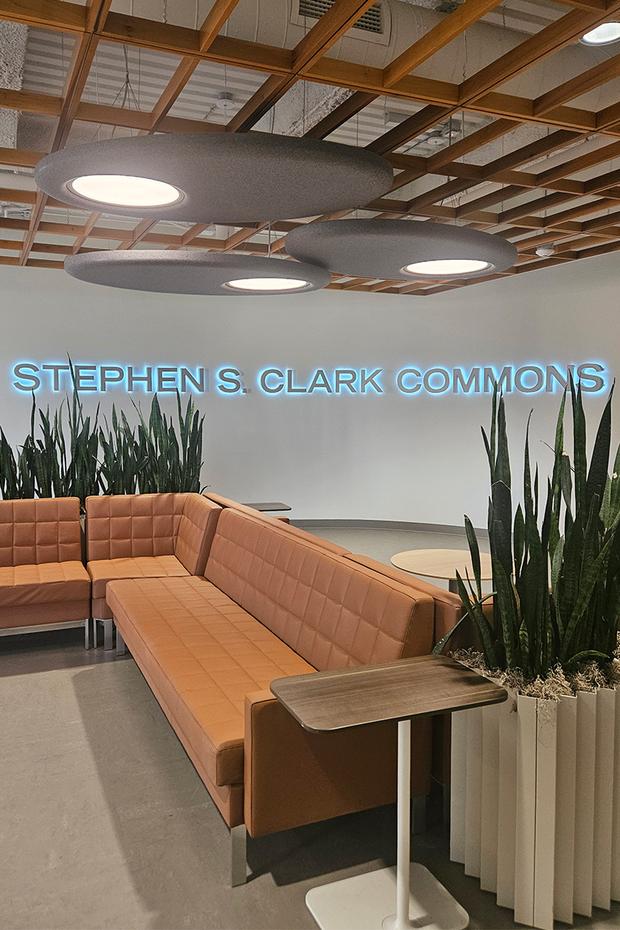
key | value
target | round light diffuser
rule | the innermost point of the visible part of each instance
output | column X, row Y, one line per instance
column 196, row 272
column 392, row 249
column 124, row 190
column 605, row 34
column 219, row 177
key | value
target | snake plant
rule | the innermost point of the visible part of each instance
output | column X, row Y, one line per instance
column 69, row 453
column 556, row 568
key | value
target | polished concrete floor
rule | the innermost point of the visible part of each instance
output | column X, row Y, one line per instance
column 381, row 543
column 104, row 824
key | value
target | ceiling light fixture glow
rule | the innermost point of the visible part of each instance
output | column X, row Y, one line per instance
column 605, row 34
column 196, row 271
column 399, row 249
column 448, row 267
column 121, row 190
column 215, row 177
column 267, row 284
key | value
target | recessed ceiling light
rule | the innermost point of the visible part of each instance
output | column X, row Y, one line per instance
column 448, row 267
column 605, row 34
column 121, row 190
column 267, row 284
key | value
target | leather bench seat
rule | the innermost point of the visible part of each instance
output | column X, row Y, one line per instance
column 47, row 583
column 202, row 654
column 156, row 566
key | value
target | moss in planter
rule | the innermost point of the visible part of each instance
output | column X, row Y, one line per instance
column 589, row 677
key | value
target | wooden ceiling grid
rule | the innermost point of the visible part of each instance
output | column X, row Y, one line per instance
column 529, row 224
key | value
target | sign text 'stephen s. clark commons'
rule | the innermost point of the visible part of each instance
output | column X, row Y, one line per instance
column 277, row 380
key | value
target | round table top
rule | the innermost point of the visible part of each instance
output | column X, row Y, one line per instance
column 441, row 563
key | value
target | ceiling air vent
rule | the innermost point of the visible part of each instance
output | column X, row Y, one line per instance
column 371, row 21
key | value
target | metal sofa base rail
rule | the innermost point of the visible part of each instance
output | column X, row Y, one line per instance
column 43, row 627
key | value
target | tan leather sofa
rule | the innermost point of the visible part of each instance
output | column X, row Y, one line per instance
column 43, row 582
column 447, row 611
column 145, row 536
column 273, row 601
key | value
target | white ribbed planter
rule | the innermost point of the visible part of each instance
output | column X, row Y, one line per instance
column 534, row 814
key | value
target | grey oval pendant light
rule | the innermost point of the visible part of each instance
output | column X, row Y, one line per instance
column 195, row 272
column 220, row 177
column 392, row 249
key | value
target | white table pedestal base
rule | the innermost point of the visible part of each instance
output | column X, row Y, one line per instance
column 366, row 902
column 383, row 900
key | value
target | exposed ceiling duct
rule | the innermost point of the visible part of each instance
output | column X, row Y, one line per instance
column 13, row 37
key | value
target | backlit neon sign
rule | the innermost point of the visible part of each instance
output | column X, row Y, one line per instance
column 410, row 380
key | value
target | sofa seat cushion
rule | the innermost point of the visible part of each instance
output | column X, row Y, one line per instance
column 202, row 654
column 156, row 566
column 48, row 583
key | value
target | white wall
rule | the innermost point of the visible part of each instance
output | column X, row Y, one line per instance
column 392, row 456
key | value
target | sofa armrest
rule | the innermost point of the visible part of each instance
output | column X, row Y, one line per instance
column 195, row 533
column 293, row 777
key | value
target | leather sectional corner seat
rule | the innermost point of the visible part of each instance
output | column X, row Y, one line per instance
column 43, row 582
column 273, row 601
column 145, row 536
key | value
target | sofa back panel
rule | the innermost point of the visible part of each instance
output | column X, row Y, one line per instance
column 33, row 532
column 128, row 525
column 279, row 522
column 448, row 607
column 195, row 533
column 331, row 612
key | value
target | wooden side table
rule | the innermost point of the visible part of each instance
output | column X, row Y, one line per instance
column 328, row 701
column 442, row 563
column 268, row 506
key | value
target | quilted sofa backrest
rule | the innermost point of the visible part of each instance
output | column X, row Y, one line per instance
column 328, row 610
column 36, row 531
column 195, row 532
column 312, row 538
column 129, row 525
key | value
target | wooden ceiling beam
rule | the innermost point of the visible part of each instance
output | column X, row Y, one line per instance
column 81, row 61
column 90, row 224
column 331, row 27
column 594, row 5
column 179, row 40
column 550, row 39
column 327, row 30
column 600, row 74
column 19, row 158
column 340, row 114
column 442, row 93
column 216, row 18
column 97, row 12
column 138, row 234
column 579, row 163
column 493, row 171
column 47, row 14
column 448, row 29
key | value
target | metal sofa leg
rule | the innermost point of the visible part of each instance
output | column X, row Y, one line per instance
column 121, row 648
column 108, row 634
column 238, row 862
column 87, row 633
column 418, row 815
